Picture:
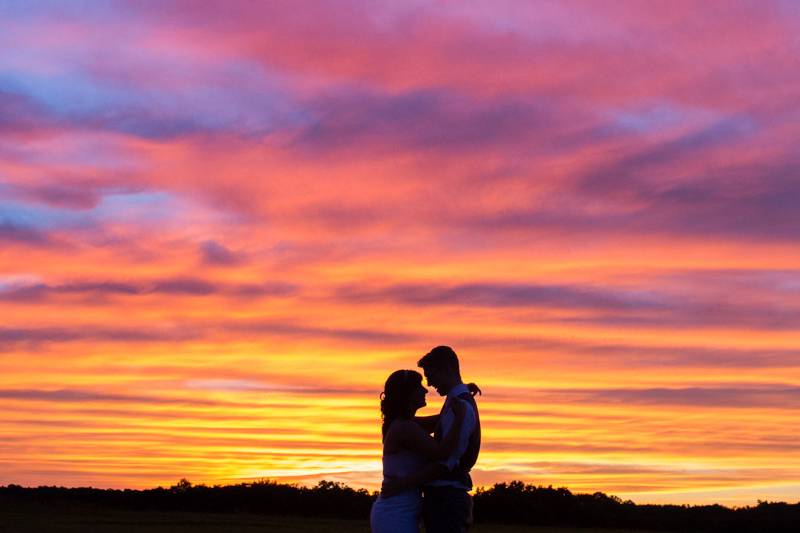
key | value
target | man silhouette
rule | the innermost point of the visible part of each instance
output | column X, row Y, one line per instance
column 447, row 505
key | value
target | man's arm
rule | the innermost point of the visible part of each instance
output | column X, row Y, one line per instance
column 467, row 427
column 428, row 423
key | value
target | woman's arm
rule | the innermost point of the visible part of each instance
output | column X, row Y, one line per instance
column 428, row 423
column 417, row 440
column 412, row 437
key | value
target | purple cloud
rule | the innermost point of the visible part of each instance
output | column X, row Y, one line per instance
column 82, row 395
column 14, row 233
column 215, row 254
column 184, row 286
column 502, row 295
column 756, row 396
column 67, row 334
column 664, row 307
column 444, row 120
column 196, row 330
column 172, row 286
column 285, row 329
column 69, row 196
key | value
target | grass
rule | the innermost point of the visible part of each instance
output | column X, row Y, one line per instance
column 33, row 518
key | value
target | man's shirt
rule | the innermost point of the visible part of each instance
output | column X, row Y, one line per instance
column 446, row 422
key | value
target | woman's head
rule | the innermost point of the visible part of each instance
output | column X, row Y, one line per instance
column 402, row 395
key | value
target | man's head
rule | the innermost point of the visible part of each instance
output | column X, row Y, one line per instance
column 441, row 369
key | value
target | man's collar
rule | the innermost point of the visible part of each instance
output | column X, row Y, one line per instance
column 457, row 390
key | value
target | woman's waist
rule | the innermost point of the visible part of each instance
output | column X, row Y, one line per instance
column 409, row 496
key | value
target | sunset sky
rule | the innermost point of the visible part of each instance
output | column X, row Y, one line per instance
column 222, row 228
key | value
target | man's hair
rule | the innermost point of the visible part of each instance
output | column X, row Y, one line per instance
column 440, row 357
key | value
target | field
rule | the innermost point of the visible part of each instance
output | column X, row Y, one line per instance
column 41, row 519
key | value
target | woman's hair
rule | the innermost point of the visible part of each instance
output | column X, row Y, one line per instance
column 396, row 396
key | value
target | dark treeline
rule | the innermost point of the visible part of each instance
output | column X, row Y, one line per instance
column 517, row 503
column 512, row 503
column 325, row 499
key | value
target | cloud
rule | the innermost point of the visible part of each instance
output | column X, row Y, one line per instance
column 14, row 233
column 281, row 329
column 632, row 354
column 37, row 292
column 74, row 395
column 755, row 210
column 628, row 307
column 99, row 290
column 433, row 120
column 20, row 115
column 567, row 468
column 83, row 190
column 215, row 254
column 631, row 170
column 685, row 356
column 765, row 284
column 746, row 396
column 501, row 295
column 76, row 197
column 250, row 385
column 142, row 96
column 10, row 335
column 256, row 290
column 701, row 317
column 186, row 331
column 184, row 286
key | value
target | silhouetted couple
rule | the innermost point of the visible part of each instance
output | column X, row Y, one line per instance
column 427, row 460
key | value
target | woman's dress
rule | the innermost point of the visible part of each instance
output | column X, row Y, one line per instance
column 399, row 513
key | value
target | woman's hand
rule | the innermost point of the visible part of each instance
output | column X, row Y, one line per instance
column 473, row 389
